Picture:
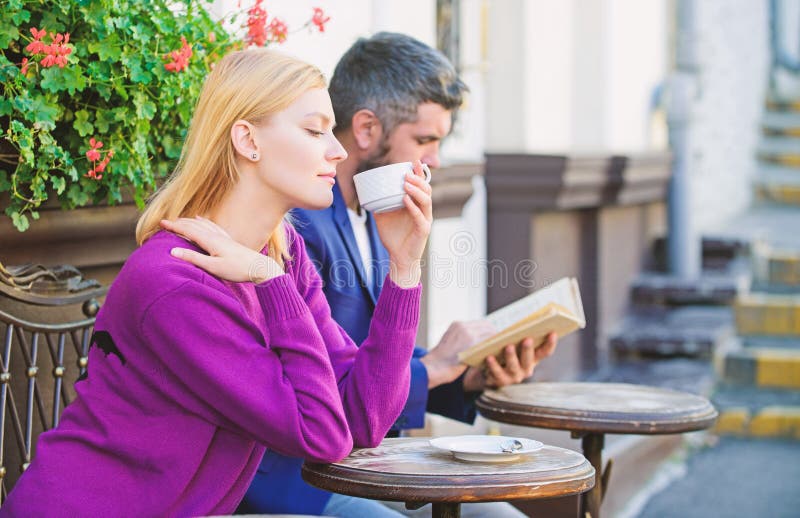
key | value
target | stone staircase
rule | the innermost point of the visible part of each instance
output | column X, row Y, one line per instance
column 758, row 388
column 733, row 334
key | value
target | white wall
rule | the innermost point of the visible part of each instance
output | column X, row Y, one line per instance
column 574, row 75
column 732, row 54
column 350, row 19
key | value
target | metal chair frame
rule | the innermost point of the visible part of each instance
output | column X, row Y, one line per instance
column 28, row 408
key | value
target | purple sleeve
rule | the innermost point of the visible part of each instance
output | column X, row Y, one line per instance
column 374, row 378
column 284, row 396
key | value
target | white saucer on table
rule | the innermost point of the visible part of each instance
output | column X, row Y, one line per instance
column 485, row 448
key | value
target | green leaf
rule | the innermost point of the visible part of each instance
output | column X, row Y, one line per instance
column 20, row 17
column 51, row 80
column 73, row 78
column 44, row 113
column 103, row 119
column 20, row 221
column 5, row 183
column 172, row 147
column 145, row 108
column 76, row 195
column 5, row 107
column 139, row 74
column 82, row 124
column 8, row 33
column 107, row 49
column 59, row 184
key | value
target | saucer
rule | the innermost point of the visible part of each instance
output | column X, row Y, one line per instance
column 484, row 448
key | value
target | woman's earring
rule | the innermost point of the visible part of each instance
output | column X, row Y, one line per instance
column 254, row 156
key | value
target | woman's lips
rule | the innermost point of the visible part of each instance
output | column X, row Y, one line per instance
column 330, row 177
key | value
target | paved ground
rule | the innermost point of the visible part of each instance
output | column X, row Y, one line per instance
column 736, row 478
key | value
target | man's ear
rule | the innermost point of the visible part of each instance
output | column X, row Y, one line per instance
column 243, row 138
column 367, row 129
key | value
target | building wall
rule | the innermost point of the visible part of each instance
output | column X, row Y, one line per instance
column 731, row 47
column 575, row 76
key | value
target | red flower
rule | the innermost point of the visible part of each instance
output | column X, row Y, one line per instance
column 319, row 19
column 93, row 155
column 24, row 67
column 278, row 30
column 36, row 46
column 180, row 57
column 256, row 25
column 56, row 53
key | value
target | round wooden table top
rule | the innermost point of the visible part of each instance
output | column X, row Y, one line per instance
column 598, row 408
column 411, row 470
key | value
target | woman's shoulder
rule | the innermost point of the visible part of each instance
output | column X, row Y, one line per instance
column 153, row 270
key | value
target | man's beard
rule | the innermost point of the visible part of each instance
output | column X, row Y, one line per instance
column 378, row 159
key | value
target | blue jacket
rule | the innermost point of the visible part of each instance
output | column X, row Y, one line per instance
column 331, row 245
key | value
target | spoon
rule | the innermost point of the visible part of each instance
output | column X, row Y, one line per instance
column 511, row 446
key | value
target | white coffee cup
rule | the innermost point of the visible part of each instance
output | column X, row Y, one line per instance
column 382, row 189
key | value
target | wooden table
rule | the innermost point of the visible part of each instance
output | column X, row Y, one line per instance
column 411, row 470
column 591, row 410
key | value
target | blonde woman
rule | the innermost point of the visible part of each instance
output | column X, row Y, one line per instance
column 215, row 340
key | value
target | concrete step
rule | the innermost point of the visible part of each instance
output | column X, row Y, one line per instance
column 768, row 315
column 781, row 124
column 760, row 367
column 757, row 412
column 783, row 105
column 775, row 270
column 788, row 195
column 720, row 252
column 711, row 288
column 777, row 184
column 686, row 374
column 784, row 158
column 770, row 342
column 691, row 332
column 769, row 224
column 779, row 145
column 787, row 131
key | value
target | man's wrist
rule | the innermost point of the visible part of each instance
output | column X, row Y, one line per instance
column 435, row 377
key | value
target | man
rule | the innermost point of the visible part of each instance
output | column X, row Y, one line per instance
column 394, row 99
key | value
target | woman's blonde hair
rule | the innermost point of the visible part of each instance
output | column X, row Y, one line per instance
column 251, row 85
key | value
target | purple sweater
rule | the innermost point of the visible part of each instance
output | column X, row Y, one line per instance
column 190, row 378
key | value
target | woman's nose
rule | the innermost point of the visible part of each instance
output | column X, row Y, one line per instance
column 336, row 152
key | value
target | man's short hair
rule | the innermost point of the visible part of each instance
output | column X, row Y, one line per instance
column 391, row 74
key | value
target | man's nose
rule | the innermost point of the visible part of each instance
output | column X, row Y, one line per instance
column 431, row 160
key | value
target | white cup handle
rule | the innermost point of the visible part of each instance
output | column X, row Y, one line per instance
column 427, row 171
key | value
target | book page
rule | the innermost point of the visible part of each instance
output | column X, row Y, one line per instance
column 563, row 292
column 552, row 318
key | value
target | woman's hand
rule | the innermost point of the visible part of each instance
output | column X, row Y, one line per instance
column 405, row 232
column 226, row 259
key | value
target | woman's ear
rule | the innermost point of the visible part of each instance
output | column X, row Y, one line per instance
column 367, row 129
column 243, row 138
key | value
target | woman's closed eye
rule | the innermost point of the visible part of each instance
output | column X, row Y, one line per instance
column 314, row 132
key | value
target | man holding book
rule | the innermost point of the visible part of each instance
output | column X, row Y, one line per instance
column 394, row 99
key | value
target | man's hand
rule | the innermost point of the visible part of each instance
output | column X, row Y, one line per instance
column 519, row 365
column 442, row 361
column 404, row 233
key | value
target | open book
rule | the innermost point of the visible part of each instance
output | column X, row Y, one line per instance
column 556, row 307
